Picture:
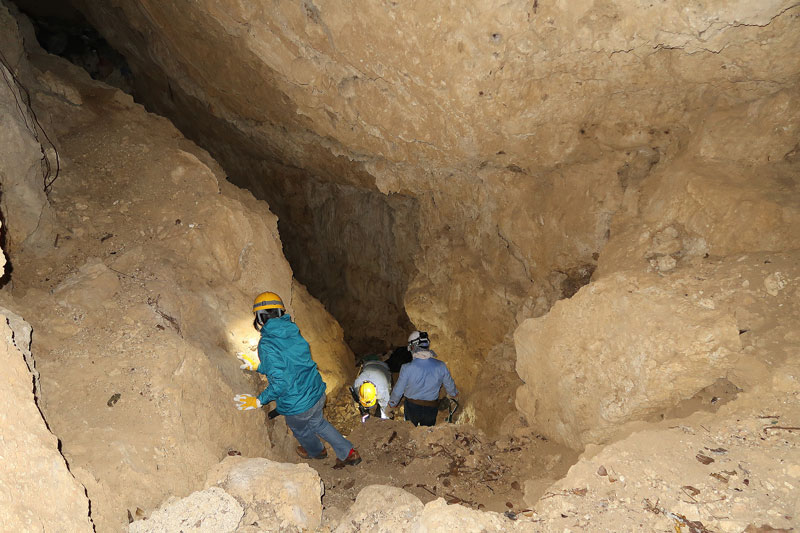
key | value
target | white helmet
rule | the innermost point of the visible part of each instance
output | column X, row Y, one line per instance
column 418, row 339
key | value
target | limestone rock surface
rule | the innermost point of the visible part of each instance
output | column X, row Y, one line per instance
column 695, row 207
column 275, row 496
column 396, row 511
column 25, row 165
column 383, row 508
column 145, row 296
column 244, row 495
column 730, row 471
column 631, row 346
column 491, row 142
column 207, row 511
column 37, row 490
column 611, row 353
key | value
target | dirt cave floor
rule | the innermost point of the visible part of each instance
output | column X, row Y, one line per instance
column 453, row 461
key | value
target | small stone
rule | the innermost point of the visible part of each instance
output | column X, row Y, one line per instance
column 114, row 399
column 704, row 459
column 774, row 283
column 665, row 263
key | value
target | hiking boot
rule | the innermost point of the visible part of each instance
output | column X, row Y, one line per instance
column 304, row 454
column 352, row 459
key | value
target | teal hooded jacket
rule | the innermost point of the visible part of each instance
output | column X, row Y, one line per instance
column 294, row 381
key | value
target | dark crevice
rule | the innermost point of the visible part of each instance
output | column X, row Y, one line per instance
column 64, row 32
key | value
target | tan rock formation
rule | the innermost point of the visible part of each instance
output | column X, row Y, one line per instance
column 403, row 512
column 730, row 471
column 396, row 513
column 630, row 346
column 275, row 496
column 244, row 496
column 622, row 348
column 28, row 161
column 207, row 511
column 145, row 295
column 504, row 129
column 37, row 490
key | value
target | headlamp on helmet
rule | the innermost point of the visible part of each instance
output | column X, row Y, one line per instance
column 418, row 339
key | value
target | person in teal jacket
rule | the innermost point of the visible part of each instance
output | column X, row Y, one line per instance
column 295, row 384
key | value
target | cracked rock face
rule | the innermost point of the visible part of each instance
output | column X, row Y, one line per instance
column 138, row 307
column 510, row 133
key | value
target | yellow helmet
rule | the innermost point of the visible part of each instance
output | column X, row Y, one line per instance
column 267, row 300
column 367, row 394
column 267, row 305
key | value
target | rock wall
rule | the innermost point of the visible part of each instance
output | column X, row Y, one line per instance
column 709, row 240
column 37, row 490
column 141, row 293
column 512, row 128
column 29, row 159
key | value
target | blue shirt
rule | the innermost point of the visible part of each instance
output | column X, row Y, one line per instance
column 421, row 379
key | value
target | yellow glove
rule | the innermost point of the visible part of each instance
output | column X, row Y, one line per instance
column 250, row 361
column 246, row 402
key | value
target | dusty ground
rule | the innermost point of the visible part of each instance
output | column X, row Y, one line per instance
column 731, row 471
column 454, row 461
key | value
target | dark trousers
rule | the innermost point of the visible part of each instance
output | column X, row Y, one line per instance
column 420, row 415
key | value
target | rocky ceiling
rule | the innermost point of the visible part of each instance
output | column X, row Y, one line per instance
column 457, row 165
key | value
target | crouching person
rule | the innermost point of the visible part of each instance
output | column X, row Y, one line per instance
column 372, row 387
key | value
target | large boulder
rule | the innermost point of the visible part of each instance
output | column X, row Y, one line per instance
column 621, row 349
column 384, row 509
column 206, row 511
column 245, row 496
column 276, row 496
